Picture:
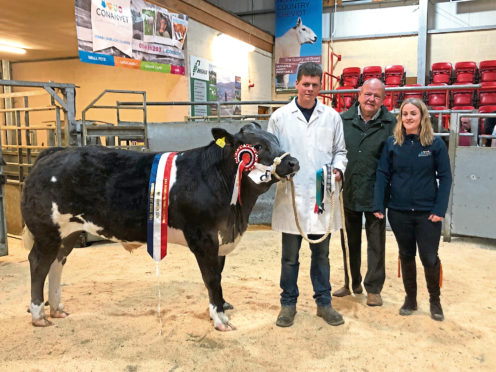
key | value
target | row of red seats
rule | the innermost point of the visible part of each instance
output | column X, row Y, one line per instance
column 464, row 72
column 484, row 96
column 353, row 77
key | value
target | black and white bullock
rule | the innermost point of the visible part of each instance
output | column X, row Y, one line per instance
column 105, row 192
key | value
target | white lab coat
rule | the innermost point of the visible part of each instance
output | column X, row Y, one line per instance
column 314, row 144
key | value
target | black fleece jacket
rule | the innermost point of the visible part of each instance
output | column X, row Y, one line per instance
column 407, row 175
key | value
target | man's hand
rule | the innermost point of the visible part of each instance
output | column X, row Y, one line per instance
column 379, row 215
column 337, row 174
column 435, row 218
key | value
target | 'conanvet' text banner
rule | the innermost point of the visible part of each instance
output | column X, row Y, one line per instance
column 298, row 39
column 131, row 33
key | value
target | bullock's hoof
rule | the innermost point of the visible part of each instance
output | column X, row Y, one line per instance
column 227, row 306
column 58, row 314
column 225, row 327
column 43, row 322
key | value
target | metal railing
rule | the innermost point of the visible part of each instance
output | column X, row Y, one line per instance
column 20, row 133
column 133, row 134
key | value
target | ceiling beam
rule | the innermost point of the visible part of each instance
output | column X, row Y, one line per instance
column 218, row 19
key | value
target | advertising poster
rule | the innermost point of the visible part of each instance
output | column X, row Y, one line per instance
column 203, row 86
column 131, row 33
column 298, row 39
column 228, row 90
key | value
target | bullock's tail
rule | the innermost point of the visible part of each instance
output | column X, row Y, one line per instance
column 27, row 238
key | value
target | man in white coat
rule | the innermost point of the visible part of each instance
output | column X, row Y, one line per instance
column 313, row 133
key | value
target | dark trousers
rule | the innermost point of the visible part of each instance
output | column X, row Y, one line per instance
column 319, row 269
column 375, row 229
column 413, row 229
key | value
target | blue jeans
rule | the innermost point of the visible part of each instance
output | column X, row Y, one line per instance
column 319, row 270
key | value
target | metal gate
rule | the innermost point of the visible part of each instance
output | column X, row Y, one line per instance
column 471, row 210
column 37, row 116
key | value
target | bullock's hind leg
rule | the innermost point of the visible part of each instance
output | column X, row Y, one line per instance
column 41, row 258
column 222, row 261
column 55, row 275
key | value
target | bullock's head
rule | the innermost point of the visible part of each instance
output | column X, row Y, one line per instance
column 304, row 33
column 267, row 148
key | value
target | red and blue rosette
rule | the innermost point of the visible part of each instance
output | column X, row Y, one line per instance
column 245, row 156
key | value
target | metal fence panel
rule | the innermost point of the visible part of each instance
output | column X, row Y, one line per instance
column 474, row 182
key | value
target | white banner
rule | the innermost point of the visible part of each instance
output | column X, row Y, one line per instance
column 112, row 25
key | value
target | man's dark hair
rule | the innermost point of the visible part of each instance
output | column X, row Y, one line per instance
column 309, row 69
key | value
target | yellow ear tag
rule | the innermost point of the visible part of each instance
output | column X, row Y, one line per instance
column 221, row 142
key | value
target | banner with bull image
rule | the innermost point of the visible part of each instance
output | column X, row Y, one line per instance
column 298, row 39
column 131, row 33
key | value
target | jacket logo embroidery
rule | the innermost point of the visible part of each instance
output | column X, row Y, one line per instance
column 424, row 153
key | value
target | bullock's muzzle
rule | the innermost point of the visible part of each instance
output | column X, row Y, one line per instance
column 285, row 169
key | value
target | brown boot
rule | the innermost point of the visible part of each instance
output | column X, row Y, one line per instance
column 342, row 292
column 286, row 316
column 374, row 299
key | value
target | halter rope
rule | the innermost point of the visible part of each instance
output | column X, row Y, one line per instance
column 345, row 237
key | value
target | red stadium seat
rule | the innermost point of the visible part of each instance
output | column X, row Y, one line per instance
column 446, row 117
column 394, row 75
column 487, row 94
column 350, row 77
column 391, row 99
column 454, row 108
column 413, row 93
column 437, row 97
column 485, row 110
column 487, row 71
column 343, row 101
column 441, row 72
column 462, row 97
column 465, row 72
column 371, row 72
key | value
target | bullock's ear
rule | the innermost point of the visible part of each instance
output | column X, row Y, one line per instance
column 298, row 22
column 222, row 137
column 256, row 124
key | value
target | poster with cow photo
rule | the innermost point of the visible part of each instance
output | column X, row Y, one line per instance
column 298, row 39
column 131, row 33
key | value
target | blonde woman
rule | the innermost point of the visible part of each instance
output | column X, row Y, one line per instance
column 411, row 164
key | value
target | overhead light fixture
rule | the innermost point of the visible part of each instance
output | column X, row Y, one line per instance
column 230, row 43
column 12, row 49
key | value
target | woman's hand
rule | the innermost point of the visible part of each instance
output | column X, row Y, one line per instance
column 379, row 215
column 435, row 218
column 337, row 173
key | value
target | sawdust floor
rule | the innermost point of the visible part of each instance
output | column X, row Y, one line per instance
column 112, row 297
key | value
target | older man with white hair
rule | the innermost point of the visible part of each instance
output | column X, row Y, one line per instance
column 366, row 125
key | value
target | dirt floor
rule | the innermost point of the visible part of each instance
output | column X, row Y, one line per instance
column 113, row 300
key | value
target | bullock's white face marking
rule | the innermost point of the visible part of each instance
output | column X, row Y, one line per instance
column 226, row 248
column 53, row 179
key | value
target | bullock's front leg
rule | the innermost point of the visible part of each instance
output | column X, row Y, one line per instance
column 226, row 305
column 208, row 262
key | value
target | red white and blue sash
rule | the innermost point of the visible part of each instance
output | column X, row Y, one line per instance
column 158, row 198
